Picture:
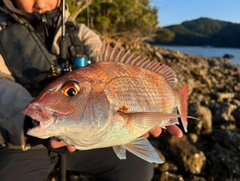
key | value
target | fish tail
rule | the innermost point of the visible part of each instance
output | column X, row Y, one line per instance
column 183, row 105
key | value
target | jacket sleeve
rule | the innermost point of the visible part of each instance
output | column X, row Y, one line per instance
column 13, row 99
column 91, row 41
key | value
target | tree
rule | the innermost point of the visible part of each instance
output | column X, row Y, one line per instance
column 164, row 35
column 77, row 6
column 114, row 17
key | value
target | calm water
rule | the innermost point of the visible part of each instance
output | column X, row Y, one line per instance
column 207, row 51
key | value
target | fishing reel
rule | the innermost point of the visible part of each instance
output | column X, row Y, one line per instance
column 72, row 53
column 77, row 55
column 80, row 61
column 61, row 67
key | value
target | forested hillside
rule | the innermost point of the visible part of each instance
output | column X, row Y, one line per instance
column 204, row 32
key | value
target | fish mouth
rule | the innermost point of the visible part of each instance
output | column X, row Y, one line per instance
column 41, row 118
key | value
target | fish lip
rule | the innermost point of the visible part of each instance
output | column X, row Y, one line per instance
column 42, row 118
column 37, row 130
column 40, row 113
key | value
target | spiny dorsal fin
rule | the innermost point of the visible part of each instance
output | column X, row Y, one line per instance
column 109, row 54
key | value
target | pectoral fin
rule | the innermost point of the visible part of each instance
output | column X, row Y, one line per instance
column 151, row 119
column 142, row 148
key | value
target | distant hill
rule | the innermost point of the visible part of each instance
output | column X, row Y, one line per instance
column 205, row 32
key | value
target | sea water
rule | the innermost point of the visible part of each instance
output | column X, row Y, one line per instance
column 207, row 51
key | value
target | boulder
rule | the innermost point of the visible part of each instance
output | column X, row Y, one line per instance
column 228, row 56
column 203, row 125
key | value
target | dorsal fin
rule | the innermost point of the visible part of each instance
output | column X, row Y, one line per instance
column 109, row 54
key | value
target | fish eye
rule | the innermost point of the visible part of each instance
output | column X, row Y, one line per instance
column 70, row 89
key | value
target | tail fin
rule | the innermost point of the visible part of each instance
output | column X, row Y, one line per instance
column 183, row 105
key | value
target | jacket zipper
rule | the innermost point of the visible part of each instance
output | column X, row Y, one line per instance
column 44, row 20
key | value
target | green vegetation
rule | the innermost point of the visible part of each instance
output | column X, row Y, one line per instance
column 164, row 35
column 116, row 17
column 205, row 31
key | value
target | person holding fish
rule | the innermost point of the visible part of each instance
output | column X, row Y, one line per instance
column 29, row 47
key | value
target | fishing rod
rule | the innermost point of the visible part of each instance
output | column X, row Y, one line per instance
column 79, row 60
column 65, row 68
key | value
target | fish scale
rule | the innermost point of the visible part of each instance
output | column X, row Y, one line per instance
column 140, row 84
column 145, row 95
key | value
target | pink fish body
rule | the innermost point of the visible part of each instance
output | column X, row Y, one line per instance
column 110, row 103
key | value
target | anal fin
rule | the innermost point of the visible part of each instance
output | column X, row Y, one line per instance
column 142, row 148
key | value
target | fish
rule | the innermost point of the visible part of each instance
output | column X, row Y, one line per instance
column 111, row 103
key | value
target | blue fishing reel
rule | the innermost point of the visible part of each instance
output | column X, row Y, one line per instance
column 80, row 61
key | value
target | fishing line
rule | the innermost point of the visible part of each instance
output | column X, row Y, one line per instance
column 88, row 25
column 88, row 14
column 63, row 19
column 63, row 57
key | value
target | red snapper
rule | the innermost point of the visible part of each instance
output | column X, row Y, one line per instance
column 110, row 103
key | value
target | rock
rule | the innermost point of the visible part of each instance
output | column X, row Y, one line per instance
column 193, row 138
column 228, row 56
column 228, row 139
column 236, row 115
column 159, row 56
column 237, row 87
column 203, row 125
column 224, row 96
column 188, row 157
column 196, row 178
column 167, row 176
column 163, row 167
column 226, row 158
column 172, row 166
column 166, row 166
column 224, row 112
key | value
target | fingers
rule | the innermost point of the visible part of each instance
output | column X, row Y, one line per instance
column 156, row 131
column 175, row 130
column 146, row 135
column 71, row 148
column 58, row 144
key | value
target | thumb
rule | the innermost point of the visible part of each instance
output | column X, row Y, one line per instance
column 71, row 148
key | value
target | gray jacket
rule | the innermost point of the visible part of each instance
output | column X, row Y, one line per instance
column 14, row 97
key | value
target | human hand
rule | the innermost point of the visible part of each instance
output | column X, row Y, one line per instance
column 173, row 129
column 58, row 144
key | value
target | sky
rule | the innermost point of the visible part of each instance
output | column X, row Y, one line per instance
column 171, row 12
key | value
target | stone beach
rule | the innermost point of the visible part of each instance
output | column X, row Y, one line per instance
column 211, row 148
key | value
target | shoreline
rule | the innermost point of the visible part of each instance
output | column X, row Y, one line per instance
column 213, row 52
column 213, row 140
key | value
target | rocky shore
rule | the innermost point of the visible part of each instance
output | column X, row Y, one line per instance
column 210, row 151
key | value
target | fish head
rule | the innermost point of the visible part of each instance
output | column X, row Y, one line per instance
column 71, row 104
